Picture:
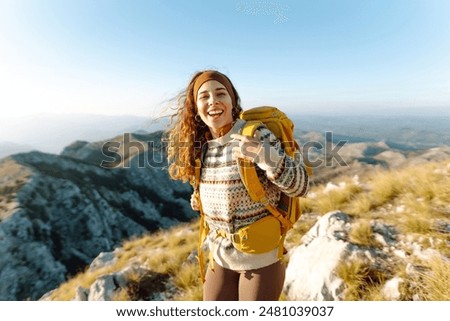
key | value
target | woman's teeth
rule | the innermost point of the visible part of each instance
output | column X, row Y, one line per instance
column 215, row 113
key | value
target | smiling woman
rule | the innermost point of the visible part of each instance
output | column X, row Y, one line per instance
column 207, row 107
column 205, row 146
column 214, row 104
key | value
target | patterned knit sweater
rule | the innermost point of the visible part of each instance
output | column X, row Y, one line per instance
column 226, row 203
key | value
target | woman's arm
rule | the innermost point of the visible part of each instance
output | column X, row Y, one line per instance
column 266, row 151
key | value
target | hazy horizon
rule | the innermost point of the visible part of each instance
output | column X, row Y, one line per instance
column 52, row 132
column 443, row 111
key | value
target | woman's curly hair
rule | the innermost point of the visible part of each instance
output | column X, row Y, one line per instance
column 186, row 135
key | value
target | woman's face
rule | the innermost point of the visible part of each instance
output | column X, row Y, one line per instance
column 214, row 106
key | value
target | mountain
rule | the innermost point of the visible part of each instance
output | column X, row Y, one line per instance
column 50, row 133
column 401, row 131
column 8, row 148
column 58, row 212
column 380, row 235
column 329, row 156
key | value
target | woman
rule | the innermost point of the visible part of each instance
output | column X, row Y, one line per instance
column 207, row 126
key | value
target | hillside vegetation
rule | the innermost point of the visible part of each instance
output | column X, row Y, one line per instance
column 413, row 201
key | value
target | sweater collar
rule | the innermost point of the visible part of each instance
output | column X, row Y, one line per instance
column 236, row 129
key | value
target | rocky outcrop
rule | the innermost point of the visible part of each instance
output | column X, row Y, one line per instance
column 310, row 273
column 70, row 209
column 313, row 269
column 137, row 281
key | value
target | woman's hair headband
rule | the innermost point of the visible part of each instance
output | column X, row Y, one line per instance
column 214, row 75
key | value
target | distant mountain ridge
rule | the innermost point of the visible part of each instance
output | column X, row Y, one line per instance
column 401, row 132
column 52, row 133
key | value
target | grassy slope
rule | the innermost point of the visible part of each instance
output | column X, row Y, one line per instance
column 414, row 200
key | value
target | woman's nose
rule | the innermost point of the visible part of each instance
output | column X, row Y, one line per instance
column 211, row 100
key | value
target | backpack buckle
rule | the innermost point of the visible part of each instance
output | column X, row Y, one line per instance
column 236, row 238
column 233, row 237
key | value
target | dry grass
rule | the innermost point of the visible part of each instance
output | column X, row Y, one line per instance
column 435, row 285
column 187, row 276
column 430, row 280
column 303, row 225
column 417, row 224
column 440, row 242
column 188, row 281
column 385, row 187
column 362, row 234
column 122, row 295
column 13, row 177
column 191, row 294
column 67, row 290
column 360, row 205
column 362, row 281
column 332, row 200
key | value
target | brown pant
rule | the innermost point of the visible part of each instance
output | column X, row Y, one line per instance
column 264, row 284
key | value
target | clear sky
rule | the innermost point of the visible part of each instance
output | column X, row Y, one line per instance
column 128, row 57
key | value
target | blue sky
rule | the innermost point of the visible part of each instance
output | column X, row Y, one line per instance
column 128, row 57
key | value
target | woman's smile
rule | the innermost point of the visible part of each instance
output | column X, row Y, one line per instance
column 215, row 107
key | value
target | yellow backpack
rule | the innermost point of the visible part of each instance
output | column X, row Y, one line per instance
column 288, row 209
column 269, row 232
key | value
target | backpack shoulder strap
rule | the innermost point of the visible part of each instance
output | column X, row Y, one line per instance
column 247, row 169
column 203, row 226
column 198, row 169
column 248, row 174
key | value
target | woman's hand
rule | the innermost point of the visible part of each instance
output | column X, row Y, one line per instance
column 195, row 204
column 248, row 148
column 257, row 151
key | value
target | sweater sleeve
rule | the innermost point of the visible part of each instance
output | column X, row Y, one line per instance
column 286, row 172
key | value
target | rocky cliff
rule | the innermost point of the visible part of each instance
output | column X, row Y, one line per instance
column 58, row 212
